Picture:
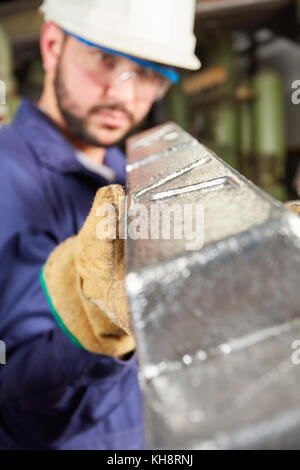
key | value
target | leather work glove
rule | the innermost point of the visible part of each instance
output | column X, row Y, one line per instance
column 293, row 206
column 83, row 280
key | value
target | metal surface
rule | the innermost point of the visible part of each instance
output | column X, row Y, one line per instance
column 214, row 326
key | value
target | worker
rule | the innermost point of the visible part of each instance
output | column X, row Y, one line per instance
column 70, row 378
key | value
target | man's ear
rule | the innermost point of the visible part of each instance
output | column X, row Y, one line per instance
column 52, row 41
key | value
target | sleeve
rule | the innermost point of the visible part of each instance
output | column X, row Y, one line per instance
column 49, row 387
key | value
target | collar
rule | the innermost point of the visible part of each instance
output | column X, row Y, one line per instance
column 102, row 170
column 54, row 151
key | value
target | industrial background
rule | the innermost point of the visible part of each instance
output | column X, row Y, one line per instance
column 239, row 104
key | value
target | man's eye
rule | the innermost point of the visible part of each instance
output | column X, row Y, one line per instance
column 106, row 58
column 146, row 73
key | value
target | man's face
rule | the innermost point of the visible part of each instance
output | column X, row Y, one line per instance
column 96, row 111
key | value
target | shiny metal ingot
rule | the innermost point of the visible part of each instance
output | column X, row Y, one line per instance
column 214, row 326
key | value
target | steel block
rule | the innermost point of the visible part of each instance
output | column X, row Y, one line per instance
column 214, row 325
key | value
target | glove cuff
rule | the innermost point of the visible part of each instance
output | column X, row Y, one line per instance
column 84, row 323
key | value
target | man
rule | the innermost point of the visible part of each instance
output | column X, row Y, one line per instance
column 70, row 379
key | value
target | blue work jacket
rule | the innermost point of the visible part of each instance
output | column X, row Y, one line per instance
column 53, row 395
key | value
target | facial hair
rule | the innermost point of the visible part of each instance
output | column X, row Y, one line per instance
column 78, row 127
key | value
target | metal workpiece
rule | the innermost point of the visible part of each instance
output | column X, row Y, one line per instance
column 214, row 324
column 241, row 395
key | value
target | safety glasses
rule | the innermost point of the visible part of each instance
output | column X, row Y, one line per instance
column 113, row 69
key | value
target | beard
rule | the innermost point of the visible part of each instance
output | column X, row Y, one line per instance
column 78, row 127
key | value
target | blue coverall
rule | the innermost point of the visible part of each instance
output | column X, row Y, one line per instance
column 53, row 395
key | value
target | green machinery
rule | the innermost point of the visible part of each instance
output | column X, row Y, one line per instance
column 244, row 118
column 9, row 98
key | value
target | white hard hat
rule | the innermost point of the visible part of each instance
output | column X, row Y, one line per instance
column 155, row 30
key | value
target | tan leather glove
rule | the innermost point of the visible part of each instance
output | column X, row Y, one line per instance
column 84, row 283
column 293, row 206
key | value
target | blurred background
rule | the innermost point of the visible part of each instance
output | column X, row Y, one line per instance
column 243, row 104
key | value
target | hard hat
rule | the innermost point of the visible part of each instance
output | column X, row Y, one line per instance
column 155, row 30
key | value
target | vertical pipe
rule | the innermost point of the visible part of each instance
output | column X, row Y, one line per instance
column 269, row 131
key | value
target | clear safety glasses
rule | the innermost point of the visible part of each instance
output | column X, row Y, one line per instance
column 113, row 70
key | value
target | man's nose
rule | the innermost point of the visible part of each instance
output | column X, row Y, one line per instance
column 122, row 88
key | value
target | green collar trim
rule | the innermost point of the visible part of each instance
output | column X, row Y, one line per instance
column 54, row 312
